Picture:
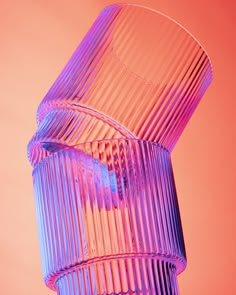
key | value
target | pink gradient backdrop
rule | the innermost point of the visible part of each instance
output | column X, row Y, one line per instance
column 37, row 38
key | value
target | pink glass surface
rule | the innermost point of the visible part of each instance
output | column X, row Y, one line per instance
column 107, row 209
column 108, row 216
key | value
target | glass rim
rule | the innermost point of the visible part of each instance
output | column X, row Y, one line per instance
column 76, row 147
column 183, row 28
column 104, row 140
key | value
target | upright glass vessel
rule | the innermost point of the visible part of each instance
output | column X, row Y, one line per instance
column 107, row 209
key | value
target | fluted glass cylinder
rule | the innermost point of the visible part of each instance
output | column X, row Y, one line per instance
column 137, row 74
column 109, row 216
column 107, row 209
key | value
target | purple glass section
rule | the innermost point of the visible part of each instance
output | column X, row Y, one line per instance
column 107, row 209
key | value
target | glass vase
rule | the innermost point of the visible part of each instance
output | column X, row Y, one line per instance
column 107, row 210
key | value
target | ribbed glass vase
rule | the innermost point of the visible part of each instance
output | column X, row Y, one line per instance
column 136, row 74
column 107, row 209
column 108, row 219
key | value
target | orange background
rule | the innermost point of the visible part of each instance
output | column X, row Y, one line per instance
column 37, row 39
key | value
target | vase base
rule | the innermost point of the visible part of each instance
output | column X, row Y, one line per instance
column 130, row 276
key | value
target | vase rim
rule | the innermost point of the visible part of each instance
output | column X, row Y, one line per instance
column 148, row 9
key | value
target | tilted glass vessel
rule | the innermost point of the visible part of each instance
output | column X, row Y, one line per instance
column 106, row 203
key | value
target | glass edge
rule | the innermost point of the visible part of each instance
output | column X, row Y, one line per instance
column 67, row 148
column 118, row 4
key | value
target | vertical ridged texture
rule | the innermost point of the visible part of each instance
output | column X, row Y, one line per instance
column 121, row 276
column 106, row 202
column 135, row 68
column 107, row 210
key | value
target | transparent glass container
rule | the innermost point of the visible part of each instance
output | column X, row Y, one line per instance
column 107, row 209
column 109, row 219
